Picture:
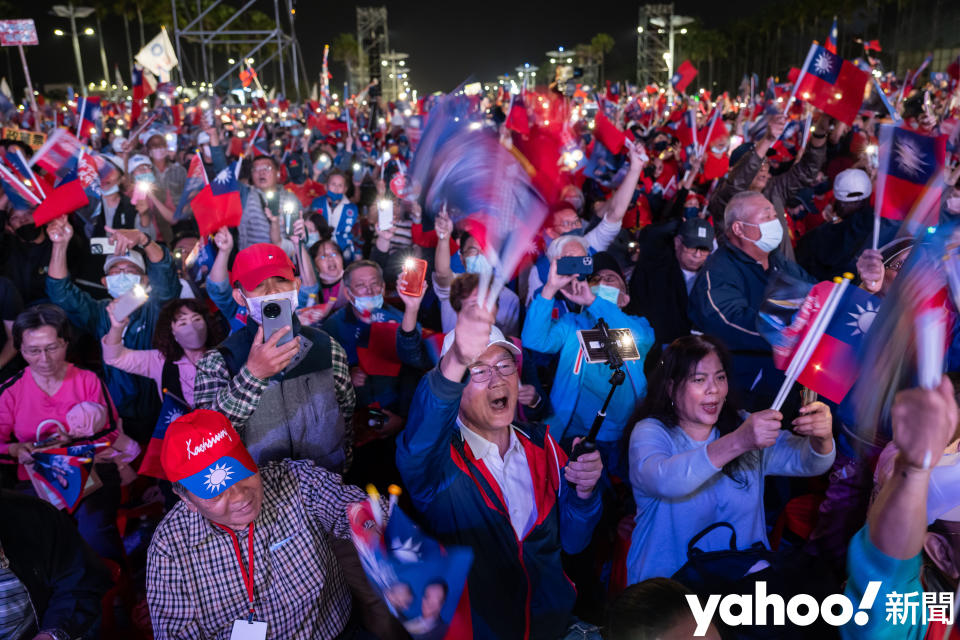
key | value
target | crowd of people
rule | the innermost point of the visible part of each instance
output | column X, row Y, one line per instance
column 478, row 407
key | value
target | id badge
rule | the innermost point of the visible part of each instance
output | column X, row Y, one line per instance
column 243, row 630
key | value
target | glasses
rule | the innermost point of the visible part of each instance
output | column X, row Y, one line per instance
column 482, row 373
column 568, row 225
column 367, row 288
column 263, row 169
column 327, row 256
column 896, row 265
column 34, row 352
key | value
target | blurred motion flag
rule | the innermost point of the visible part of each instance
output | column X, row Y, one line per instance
column 158, row 56
column 196, row 180
column 685, row 74
column 89, row 120
column 832, row 84
column 218, row 203
column 58, row 154
column 171, row 409
column 835, row 363
column 144, row 84
column 909, row 165
column 401, row 562
column 61, row 476
column 247, row 76
column 608, row 134
column 831, row 45
column 379, row 357
column 517, row 119
column 66, row 198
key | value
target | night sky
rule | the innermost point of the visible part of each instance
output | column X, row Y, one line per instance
column 447, row 42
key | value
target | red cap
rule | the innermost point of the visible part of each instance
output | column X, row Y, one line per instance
column 202, row 451
column 258, row 262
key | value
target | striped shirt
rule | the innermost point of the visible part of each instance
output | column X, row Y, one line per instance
column 194, row 585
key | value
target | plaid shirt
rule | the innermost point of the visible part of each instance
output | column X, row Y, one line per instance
column 237, row 397
column 194, row 584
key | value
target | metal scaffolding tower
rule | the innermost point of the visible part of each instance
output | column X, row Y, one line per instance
column 373, row 40
column 653, row 44
column 212, row 60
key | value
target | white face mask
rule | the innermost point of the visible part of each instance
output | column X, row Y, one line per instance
column 112, row 190
column 771, row 234
column 158, row 154
column 255, row 304
column 119, row 283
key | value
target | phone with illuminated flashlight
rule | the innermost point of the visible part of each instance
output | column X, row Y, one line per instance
column 384, row 214
column 276, row 315
column 412, row 277
column 595, row 345
column 129, row 302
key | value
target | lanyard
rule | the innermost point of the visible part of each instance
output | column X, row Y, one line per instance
column 247, row 580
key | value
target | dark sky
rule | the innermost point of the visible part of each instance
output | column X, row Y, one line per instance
column 447, row 41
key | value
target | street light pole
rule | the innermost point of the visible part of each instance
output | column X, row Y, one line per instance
column 76, row 50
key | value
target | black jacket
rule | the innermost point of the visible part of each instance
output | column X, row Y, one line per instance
column 63, row 576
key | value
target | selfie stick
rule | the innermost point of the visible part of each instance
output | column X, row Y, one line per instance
column 615, row 361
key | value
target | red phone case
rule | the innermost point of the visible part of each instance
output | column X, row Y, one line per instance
column 412, row 277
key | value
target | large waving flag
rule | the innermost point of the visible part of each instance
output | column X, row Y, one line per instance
column 835, row 363
column 832, row 84
column 684, row 75
column 218, row 203
column 144, row 86
column 909, row 166
column 158, row 55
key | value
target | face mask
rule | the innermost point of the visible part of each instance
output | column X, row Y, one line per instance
column 112, row 190
column 334, row 197
column 255, row 305
column 120, row 283
column 312, row 239
column 368, row 304
column 477, row 264
column 648, row 171
column 191, row 336
column 296, row 132
column 659, row 146
column 771, row 233
column 605, row 291
column 28, row 232
column 158, row 154
column 691, row 212
column 146, row 177
column 953, row 205
column 339, row 146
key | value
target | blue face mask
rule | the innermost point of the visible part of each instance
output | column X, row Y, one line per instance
column 605, row 291
column 477, row 264
column 312, row 239
column 368, row 304
column 691, row 212
column 120, row 283
column 296, row 132
column 334, row 197
column 146, row 177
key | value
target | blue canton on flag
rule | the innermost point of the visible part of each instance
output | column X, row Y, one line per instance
column 825, row 65
column 913, row 156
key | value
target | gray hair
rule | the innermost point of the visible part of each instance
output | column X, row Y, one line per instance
column 738, row 207
column 556, row 247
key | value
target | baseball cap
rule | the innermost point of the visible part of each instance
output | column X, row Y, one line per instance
column 133, row 257
column 202, row 451
column 605, row 261
column 496, row 338
column 696, row 233
column 851, row 185
column 137, row 161
column 258, row 262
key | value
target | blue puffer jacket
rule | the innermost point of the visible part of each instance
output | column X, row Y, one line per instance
column 724, row 303
column 516, row 589
column 579, row 388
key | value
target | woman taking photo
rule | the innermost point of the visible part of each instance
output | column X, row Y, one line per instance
column 694, row 462
column 39, row 408
column 184, row 333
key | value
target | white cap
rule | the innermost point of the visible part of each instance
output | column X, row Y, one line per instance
column 137, row 161
column 132, row 256
column 117, row 144
column 203, row 138
column 851, row 185
column 114, row 160
column 496, row 338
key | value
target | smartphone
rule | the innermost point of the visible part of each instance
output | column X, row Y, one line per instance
column 384, row 214
column 277, row 314
column 102, row 247
column 594, row 344
column 130, row 301
column 412, row 277
column 575, row 265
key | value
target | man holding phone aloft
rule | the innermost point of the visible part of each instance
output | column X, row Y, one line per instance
column 291, row 400
column 134, row 395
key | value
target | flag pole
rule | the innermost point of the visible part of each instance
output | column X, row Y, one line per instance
column 33, row 99
column 886, row 139
column 886, row 101
column 803, row 73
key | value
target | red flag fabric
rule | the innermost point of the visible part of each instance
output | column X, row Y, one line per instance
column 833, row 84
column 517, row 119
column 684, row 75
column 65, row 199
column 379, row 357
column 218, row 203
column 608, row 134
column 908, row 165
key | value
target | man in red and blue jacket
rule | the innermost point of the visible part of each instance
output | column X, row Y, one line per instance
column 505, row 490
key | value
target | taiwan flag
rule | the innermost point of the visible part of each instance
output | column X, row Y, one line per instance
column 89, row 120
column 196, row 180
column 835, row 364
column 685, row 74
column 608, row 134
column 60, row 475
column 832, row 84
column 218, row 203
column 517, row 119
column 171, row 409
column 908, row 166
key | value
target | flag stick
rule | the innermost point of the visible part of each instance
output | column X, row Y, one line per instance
column 885, row 141
column 8, row 175
column 33, row 99
column 810, row 342
column 206, row 180
column 32, row 175
column 886, row 101
column 803, row 73
column 80, row 114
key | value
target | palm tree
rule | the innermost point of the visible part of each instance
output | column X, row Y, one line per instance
column 346, row 50
column 602, row 44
